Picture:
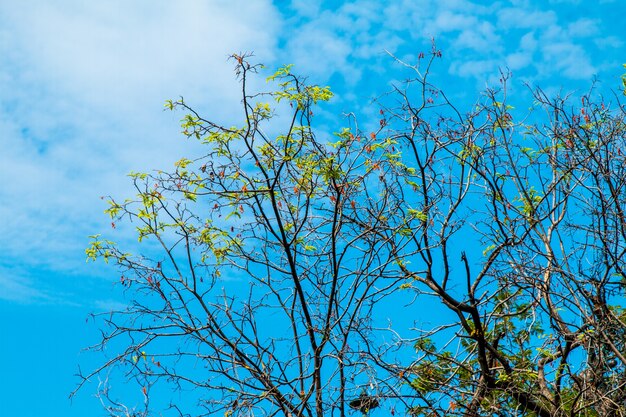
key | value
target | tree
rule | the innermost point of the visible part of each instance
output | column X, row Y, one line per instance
column 274, row 262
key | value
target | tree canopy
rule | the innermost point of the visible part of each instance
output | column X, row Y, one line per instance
column 436, row 261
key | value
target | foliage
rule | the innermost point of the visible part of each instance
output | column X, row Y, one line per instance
column 282, row 257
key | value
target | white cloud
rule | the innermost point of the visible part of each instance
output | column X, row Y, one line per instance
column 19, row 289
column 518, row 60
column 448, row 21
column 405, row 15
column 117, row 53
column 609, row 42
column 569, row 58
column 583, row 28
column 107, row 305
column 483, row 69
column 516, row 17
column 308, row 8
column 320, row 52
column 345, row 41
column 481, row 38
column 528, row 42
column 83, row 85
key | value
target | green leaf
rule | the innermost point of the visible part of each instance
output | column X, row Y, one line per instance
column 418, row 214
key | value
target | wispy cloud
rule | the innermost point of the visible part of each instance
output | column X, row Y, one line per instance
column 569, row 58
column 106, row 305
column 477, row 39
column 19, row 289
column 583, row 28
column 523, row 18
column 82, row 90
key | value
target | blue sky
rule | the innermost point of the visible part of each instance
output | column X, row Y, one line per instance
column 82, row 86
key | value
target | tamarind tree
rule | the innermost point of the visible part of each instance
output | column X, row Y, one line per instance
column 444, row 262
